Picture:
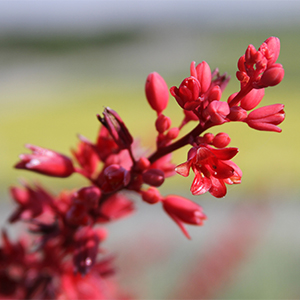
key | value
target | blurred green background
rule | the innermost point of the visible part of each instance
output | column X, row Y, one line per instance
column 58, row 71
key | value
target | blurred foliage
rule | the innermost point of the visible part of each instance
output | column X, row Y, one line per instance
column 54, row 43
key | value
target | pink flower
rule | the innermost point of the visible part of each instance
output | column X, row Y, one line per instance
column 46, row 162
column 183, row 210
column 157, row 92
column 212, row 168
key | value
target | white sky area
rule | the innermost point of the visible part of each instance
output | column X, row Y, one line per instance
column 74, row 16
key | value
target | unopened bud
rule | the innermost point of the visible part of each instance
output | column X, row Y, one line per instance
column 114, row 178
column 157, row 92
column 252, row 99
column 162, row 123
column 218, row 111
column 266, row 118
column 89, row 196
column 203, row 73
column 272, row 76
column 237, row 114
column 46, row 162
column 221, row 140
column 116, row 127
column 208, row 138
column 151, row 195
column 154, row 177
column 172, row 133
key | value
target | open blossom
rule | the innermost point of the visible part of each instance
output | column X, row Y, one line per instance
column 212, row 168
column 45, row 161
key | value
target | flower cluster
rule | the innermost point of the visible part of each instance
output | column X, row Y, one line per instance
column 68, row 228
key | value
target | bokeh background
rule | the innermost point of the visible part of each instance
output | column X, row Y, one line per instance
column 61, row 62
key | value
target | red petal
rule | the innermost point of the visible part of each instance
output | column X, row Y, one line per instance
column 183, row 169
column 201, row 184
column 218, row 188
column 180, row 224
column 224, row 153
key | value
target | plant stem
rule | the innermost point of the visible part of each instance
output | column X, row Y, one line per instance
column 187, row 139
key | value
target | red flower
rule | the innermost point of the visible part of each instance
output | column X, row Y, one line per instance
column 46, row 162
column 115, row 207
column 183, row 210
column 212, row 169
column 86, row 155
column 32, row 202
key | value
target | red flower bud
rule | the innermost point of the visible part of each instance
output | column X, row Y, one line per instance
column 214, row 94
column 116, row 127
column 208, row 138
column 203, row 73
column 154, row 177
column 218, row 111
column 237, row 114
column 272, row 76
column 151, row 196
column 89, row 196
column 252, row 99
column 77, row 215
column 172, row 133
column 221, row 140
column 114, row 178
column 86, row 249
column 272, row 50
column 266, row 118
column 157, row 92
column 182, row 210
column 241, row 64
column 142, row 164
column 187, row 95
column 162, row 123
column 251, row 55
column 46, row 162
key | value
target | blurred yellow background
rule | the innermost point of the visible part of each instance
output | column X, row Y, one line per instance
column 55, row 76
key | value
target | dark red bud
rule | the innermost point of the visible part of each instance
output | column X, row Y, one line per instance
column 154, row 177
